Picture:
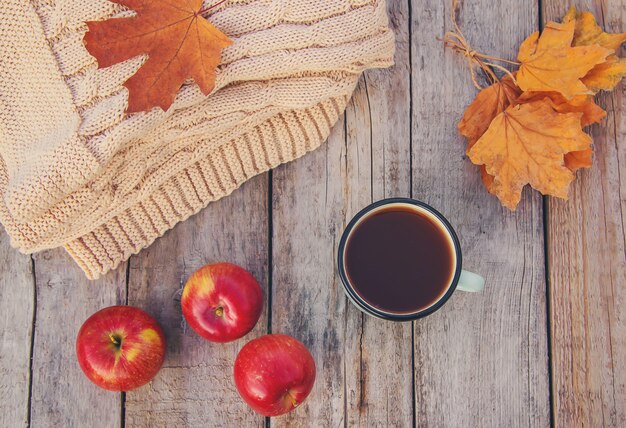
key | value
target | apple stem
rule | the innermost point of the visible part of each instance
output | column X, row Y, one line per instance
column 115, row 340
column 293, row 400
column 219, row 311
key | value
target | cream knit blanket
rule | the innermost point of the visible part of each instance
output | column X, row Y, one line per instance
column 76, row 171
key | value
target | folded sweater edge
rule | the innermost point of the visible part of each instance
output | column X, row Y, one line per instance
column 283, row 138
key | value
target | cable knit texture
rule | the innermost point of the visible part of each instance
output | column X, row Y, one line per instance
column 76, row 171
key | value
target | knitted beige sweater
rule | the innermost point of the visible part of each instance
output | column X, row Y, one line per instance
column 76, row 171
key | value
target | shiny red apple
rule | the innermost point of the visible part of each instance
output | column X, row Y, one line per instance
column 274, row 374
column 120, row 348
column 222, row 302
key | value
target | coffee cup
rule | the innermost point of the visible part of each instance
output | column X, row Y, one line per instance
column 400, row 259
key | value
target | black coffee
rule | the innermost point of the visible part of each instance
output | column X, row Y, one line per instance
column 399, row 260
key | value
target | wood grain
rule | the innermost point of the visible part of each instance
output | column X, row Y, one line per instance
column 307, row 303
column 379, row 392
column 482, row 360
column 17, row 305
column 587, row 265
column 362, row 362
column 62, row 396
column 195, row 386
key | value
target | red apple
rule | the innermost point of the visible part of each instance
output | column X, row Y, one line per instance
column 274, row 374
column 222, row 302
column 120, row 348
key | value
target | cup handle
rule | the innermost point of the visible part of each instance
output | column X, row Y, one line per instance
column 470, row 282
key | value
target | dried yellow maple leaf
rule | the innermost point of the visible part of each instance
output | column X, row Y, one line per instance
column 605, row 76
column 585, row 104
column 587, row 32
column 550, row 63
column 527, row 128
column 526, row 144
column 494, row 99
column 591, row 113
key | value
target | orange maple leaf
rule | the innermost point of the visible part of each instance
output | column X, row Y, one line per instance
column 489, row 103
column 550, row 63
column 494, row 99
column 526, row 144
column 580, row 159
column 179, row 42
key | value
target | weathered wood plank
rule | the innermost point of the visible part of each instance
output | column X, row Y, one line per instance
column 364, row 364
column 195, row 386
column 587, row 265
column 61, row 394
column 482, row 360
column 308, row 211
column 378, row 382
column 17, row 304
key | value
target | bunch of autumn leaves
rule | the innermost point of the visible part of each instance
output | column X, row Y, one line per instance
column 527, row 128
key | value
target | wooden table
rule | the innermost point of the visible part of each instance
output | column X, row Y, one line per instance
column 544, row 344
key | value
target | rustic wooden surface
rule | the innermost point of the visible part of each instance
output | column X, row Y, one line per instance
column 195, row 386
column 525, row 352
column 17, row 306
column 61, row 395
column 587, row 266
column 483, row 360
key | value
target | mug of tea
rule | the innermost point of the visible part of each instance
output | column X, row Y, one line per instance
column 400, row 259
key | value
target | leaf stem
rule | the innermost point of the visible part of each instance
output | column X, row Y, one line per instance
column 456, row 41
column 213, row 6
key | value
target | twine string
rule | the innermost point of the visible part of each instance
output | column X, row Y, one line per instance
column 457, row 41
